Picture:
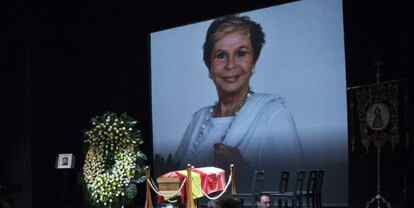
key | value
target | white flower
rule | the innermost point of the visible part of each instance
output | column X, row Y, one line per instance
column 104, row 184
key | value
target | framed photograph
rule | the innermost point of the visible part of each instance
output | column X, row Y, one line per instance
column 65, row 161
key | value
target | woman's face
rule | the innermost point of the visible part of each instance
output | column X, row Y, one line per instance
column 232, row 63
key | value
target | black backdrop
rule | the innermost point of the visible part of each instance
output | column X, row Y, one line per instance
column 63, row 63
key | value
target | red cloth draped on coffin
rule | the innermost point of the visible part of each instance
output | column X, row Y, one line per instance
column 210, row 179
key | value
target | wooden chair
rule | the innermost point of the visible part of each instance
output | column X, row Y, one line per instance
column 283, row 186
column 284, row 181
column 256, row 188
column 318, row 189
column 309, row 193
column 293, row 196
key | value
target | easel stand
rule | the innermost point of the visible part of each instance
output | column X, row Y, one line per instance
column 65, row 190
column 65, row 162
column 378, row 198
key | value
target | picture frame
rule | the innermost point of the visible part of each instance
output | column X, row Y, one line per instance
column 65, row 161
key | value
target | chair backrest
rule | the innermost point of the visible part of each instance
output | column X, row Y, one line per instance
column 310, row 188
column 300, row 180
column 257, row 184
column 284, row 181
column 319, row 181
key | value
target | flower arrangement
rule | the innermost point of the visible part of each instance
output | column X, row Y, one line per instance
column 113, row 161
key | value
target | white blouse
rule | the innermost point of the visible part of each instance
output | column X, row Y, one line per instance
column 201, row 150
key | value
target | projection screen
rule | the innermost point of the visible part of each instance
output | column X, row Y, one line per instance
column 302, row 62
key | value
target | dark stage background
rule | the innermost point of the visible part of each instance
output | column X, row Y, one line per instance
column 63, row 63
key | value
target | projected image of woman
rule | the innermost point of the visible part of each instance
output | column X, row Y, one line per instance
column 245, row 128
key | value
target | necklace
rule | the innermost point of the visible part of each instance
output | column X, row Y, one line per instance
column 207, row 123
column 214, row 107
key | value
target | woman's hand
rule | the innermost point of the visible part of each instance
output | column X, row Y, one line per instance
column 226, row 155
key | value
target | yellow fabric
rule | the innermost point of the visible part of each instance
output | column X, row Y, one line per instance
column 196, row 178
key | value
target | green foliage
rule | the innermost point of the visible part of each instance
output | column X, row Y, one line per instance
column 131, row 191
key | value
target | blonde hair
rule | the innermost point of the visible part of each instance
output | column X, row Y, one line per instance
column 228, row 24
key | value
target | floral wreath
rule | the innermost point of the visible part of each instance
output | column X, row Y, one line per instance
column 113, row 162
